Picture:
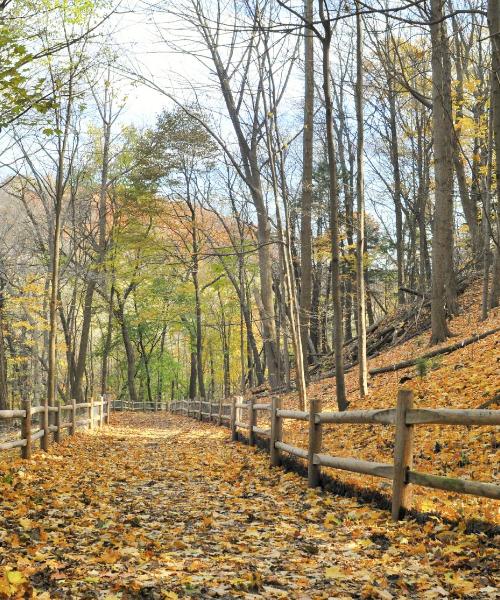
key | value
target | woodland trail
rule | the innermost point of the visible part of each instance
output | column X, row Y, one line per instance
column 158, row 506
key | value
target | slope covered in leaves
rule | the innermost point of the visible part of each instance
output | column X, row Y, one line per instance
column 161, row 506
column 463, row 379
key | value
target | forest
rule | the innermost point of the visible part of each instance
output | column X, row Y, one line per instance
column 249, row 212
column 249, row 230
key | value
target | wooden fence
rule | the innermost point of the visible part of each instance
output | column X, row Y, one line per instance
column 54, row 419
column 125, row 404
column 403, row 417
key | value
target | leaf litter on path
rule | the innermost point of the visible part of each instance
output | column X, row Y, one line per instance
column 162, row 507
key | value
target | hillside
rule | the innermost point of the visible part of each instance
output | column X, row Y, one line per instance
column 465, row 378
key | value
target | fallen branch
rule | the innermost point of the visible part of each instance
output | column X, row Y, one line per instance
column 413, row 292
column 447, row 350
column 492, row 401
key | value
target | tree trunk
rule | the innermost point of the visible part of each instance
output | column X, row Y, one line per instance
column 334, row 214
column 129, row 352
column 398, row 209
column 494, row 27
column 360, row 193
column 443, row 286
column 307, row 173
column 3, row 357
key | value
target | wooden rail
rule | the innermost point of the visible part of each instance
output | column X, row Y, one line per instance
column 403, row 418
column 51, row 422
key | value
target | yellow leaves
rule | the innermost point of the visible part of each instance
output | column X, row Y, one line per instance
column 331, row 520
column 10, row 582
column 15, row 578
column 460, row 586
column 176, row 511
column 371, row 592
column 25, row 523
column 335, row 573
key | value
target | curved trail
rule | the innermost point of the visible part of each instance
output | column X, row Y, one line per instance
column 157, row 506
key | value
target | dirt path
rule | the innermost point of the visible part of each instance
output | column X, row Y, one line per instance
column 162, row 507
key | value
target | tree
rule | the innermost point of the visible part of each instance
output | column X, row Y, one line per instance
column 360, row 195
column 326, row 39
column 494, row 27
column 307, row 174
column 443, row 280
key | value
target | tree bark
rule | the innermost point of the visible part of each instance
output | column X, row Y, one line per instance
column 360, row 193
column 129, row 352
column 3, row 356
column 307, row 173
column 334, row 212
column 494, row 27
column 443, row 284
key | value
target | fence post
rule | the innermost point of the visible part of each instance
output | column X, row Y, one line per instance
column 44, row 424
column 101, row 413
column 251, row 422
column 26, row 430
column 314, row 446
column 276, row 432
column 73, row 417
column 210, row 410
column 108, row 409
column 91, row 414
column 234, row 434
column 403, row 456
column 200, row 408
column 57, row 433
column 219, row 416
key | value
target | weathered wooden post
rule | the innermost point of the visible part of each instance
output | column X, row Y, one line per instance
column 276, row 432
column 91, row 414
column 210, row 410
column 314, row 446
column 26, row 430
column 234, row 434
column 251, row 422
column 101, row 413
column 200, row 408
column 219, row 416
column 58, row 423
column 403, row 456
column 108, row 409
column 44, row 424
column 73, row 417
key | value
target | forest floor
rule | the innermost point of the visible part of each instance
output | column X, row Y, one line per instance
column 161, row 506
column 465, row 378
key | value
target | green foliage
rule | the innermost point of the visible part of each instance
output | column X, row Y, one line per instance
column 424, row 365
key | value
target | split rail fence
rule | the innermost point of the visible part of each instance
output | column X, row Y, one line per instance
column 54, row 420
column 403, row 417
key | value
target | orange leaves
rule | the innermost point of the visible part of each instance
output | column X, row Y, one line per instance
column 171, row 509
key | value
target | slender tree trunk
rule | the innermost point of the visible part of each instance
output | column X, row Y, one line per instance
column 487, row 180
column 494, row 27
column 93, row 272
column 107, row 347
column 334, row 214
column 129, row 352
column 192, row 373
column 3, row 356
column 307, row 173
column 398, row 208
column 360, row 194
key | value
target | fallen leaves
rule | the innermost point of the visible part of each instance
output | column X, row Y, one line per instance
column 459, row 451
column 171, row 510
